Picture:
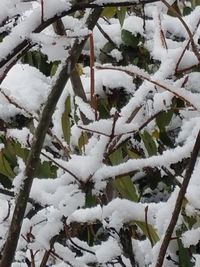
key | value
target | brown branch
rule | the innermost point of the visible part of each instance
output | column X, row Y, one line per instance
column 106, row 36
column 193, row 45
column 185, row 48
column 10, row 59
column 42, row 11
column 8, row 213
column 62, row 167
column 75, row 79
column 39, row 136
column 163, row 86
column 14, row 103
column 47, row 253
column 93, row 100
column 178, row 204
column 93, row 131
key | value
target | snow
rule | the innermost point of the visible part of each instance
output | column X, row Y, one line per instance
column 73, row 205
column 191, row 237
column 108, row 250
column 167, row 158
column 15, row 87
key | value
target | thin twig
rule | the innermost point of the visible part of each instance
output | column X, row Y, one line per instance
column 42, row 11
column 13, row 56
column 60, row 258
column 62, row 167
column 148, row 78
column 193, row 45
column 8, row 213
column 92, row 80
column 178, row 204
column 38, row 141
column 106, row 36
column 185, row 48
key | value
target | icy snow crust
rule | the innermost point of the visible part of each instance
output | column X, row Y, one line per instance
column 62, row 197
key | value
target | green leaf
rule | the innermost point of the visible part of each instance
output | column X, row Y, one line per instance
column 149, row 143
column 116, row 157
column 5, row 168
column 174, row 7
column 150, row 232
column 121, row 13
column 54, row 68
column 132, row 154
column 82, row 141
column 130, row 39
column 109, row 12
column 46, row 170
column 184, row 255
column 65, row 120
column 105, row 51
column 186, row 10
column 163, row 119
column 126, row 188
column 123, row 184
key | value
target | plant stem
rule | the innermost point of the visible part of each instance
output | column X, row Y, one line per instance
column 38, row 140
column 178, row 204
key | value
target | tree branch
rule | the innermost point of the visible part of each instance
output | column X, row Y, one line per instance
column 38, row 140
column 10, row 59
column 179, row 201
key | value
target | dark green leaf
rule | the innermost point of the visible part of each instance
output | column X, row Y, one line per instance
column 116, row 157
column 186, row 10
column 163, row 119
column 5, row 168
column 121, row 13
column 149, row 143
column 184, row 255
column 130, row 39
column 126, row 188
column 46, row 170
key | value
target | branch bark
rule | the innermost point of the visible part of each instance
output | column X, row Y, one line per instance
column 10, row 59
column 38, row 140
column 178, row 204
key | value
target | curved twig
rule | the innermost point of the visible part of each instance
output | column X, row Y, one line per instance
column 148, row 78
column 194, row 47
column 38, row 140
column 10, row 59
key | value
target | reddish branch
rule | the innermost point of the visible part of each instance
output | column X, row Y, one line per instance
column 39, row 136
column 148, row 78
column 178, row 204
column 193, row 45
column 10, row 59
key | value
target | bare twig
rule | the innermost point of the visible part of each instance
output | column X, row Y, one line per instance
column 92, row 81
column 42, row 11
column 106, row 36
column 13, row 56
column 62, row 167
column 193, row 45
column 74, row 77
column 185, row 48
column 148, row 78
column 34, row 155
column 178, row 204
column 8, row 213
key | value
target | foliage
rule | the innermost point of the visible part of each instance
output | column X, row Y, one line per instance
column 112, row 162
